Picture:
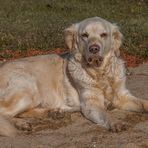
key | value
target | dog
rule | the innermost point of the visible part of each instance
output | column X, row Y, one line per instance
column 88, row 79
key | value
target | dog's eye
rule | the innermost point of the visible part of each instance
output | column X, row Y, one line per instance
column 84, row 35
column 103, row 35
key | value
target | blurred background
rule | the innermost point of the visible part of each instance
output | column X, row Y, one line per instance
column 39, row 24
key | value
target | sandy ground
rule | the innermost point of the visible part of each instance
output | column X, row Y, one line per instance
column 74, row 131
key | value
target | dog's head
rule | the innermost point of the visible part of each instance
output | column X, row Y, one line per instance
column 93, row 38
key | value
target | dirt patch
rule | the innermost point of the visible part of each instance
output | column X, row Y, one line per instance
column 135, row 118
column 54, row 120
column 72, row 130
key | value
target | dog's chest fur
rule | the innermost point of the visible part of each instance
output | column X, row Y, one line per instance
column 103, row 79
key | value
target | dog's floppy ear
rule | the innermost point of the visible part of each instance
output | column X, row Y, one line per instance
column 116, row 39
column 70, row 37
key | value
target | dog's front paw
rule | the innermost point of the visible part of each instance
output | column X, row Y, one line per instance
column 118, row 127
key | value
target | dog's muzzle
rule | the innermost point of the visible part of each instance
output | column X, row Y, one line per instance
column 94, row 58
column 95, row 61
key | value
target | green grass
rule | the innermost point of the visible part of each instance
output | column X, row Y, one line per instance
column 40, row 23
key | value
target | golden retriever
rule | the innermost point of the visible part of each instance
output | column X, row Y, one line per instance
column 87, row 80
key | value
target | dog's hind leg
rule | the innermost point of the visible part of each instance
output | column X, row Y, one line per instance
column 35, row 113
column 16, row 104
column 25, row 120
column 10, row 108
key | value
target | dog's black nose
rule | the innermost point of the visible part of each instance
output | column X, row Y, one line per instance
column 94, row 49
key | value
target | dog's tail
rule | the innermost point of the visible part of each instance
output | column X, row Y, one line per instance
column 6, row 128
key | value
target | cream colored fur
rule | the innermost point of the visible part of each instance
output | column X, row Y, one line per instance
column 69, row 83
